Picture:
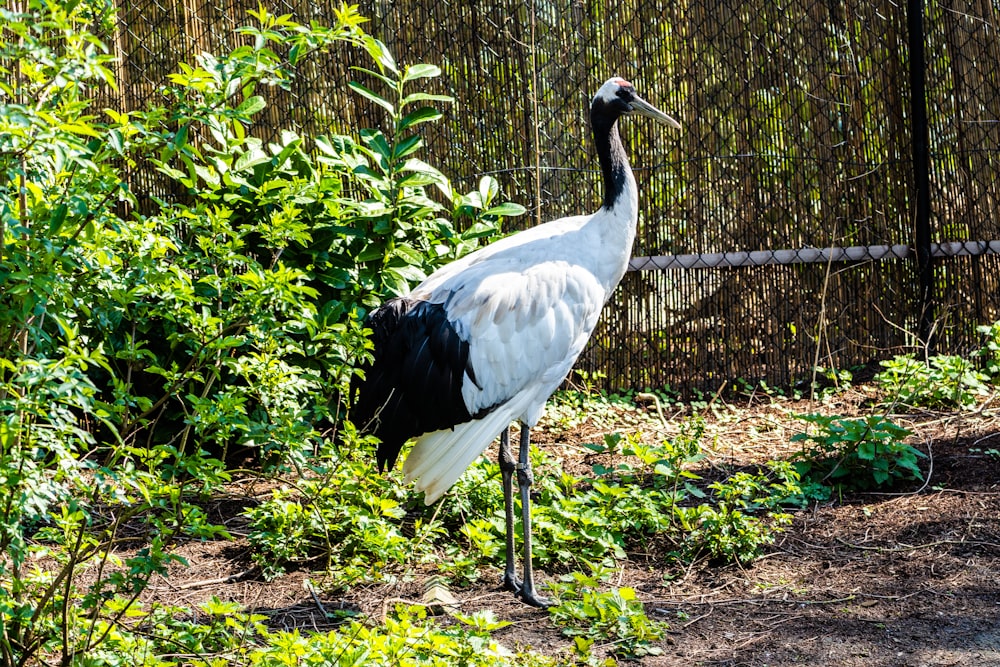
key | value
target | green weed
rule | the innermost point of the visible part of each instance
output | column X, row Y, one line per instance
column 616, row 617
column 861, row 453
column 989, row 353
column 944, row 381
column 350, row 520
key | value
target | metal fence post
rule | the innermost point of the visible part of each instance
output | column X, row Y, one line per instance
column 921, row 170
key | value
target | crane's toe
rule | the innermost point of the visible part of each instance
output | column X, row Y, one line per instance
column 513, row 583
column 535, row 600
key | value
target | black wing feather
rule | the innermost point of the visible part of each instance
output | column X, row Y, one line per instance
column 413, row 385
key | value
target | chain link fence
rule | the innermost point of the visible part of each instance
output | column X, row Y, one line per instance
column 781, row 229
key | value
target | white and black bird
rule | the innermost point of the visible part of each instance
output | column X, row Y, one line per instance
column 485, row 340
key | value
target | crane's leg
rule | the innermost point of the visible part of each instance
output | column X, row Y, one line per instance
column 508, row 465
column 524, row 481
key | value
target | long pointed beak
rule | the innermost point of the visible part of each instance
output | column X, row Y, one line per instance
column 644, row 108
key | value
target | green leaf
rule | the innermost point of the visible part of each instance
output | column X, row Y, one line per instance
column 390, row 83
column 425, row 97
column 694, row 490
column 407, row 146
column 57, row 219
column 417, row 180
column 488, row 189
column 372, row 96
column 421, row 71
column 479, row 230
column 376, row 142
column 421, row 167
column 866, row 451
column 251, row 106
column 175, row 174
column 116, row 141
column 380, row 53
column 408, row 255
column 180, row 137
column 421, row 115
column 373, row 251
column 508, row 209
column 251, row 158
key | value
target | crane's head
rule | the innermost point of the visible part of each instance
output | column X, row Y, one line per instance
column 617, row 96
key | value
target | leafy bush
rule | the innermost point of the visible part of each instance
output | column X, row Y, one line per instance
column 860, row 453
column 648, row 496
column 225, row 635
column 944, row 381
column 147, row 342
column 744, row 517
column 617, row 616
column 350, row 518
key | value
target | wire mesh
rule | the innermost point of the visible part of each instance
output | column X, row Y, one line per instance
column 777, row 227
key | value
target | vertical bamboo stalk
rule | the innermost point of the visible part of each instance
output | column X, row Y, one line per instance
column 921, row 169
column 537, row 148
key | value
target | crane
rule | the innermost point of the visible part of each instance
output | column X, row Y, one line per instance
column 485, row 340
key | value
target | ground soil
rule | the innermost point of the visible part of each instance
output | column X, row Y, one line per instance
column 901, row 579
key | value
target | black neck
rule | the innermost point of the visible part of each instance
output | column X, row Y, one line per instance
column 610, row 152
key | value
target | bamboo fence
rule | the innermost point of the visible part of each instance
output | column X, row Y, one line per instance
column 780, row 229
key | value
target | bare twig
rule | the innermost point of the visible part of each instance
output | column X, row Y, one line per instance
column 217, row 580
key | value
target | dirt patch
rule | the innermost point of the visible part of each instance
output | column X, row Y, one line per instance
column 892, row 580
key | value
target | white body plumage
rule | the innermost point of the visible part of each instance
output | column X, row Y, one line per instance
column 527, row 304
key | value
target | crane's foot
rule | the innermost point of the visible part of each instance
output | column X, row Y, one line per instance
column 513, row 583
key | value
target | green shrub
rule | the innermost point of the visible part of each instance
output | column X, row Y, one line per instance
column 860, row 453
column 220, row 634
column 944, row 381
column 146, row 342
column 989, row 353
column 349, row 519
column 617, row 616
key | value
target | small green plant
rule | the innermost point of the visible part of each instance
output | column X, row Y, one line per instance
column 944, row 381
column 826, row 382
column 617, row 616
column 349, row 519
column 724, row 533
column 989, row 353
column 220, row 634
column 746, row 514
column 859, row 453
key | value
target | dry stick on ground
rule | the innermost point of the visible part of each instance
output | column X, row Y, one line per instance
column 763, row 601
column 214, row 581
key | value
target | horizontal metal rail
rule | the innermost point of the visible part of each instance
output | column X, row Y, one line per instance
column 807, row 256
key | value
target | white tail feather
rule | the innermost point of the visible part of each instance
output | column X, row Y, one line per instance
column 438, row 459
